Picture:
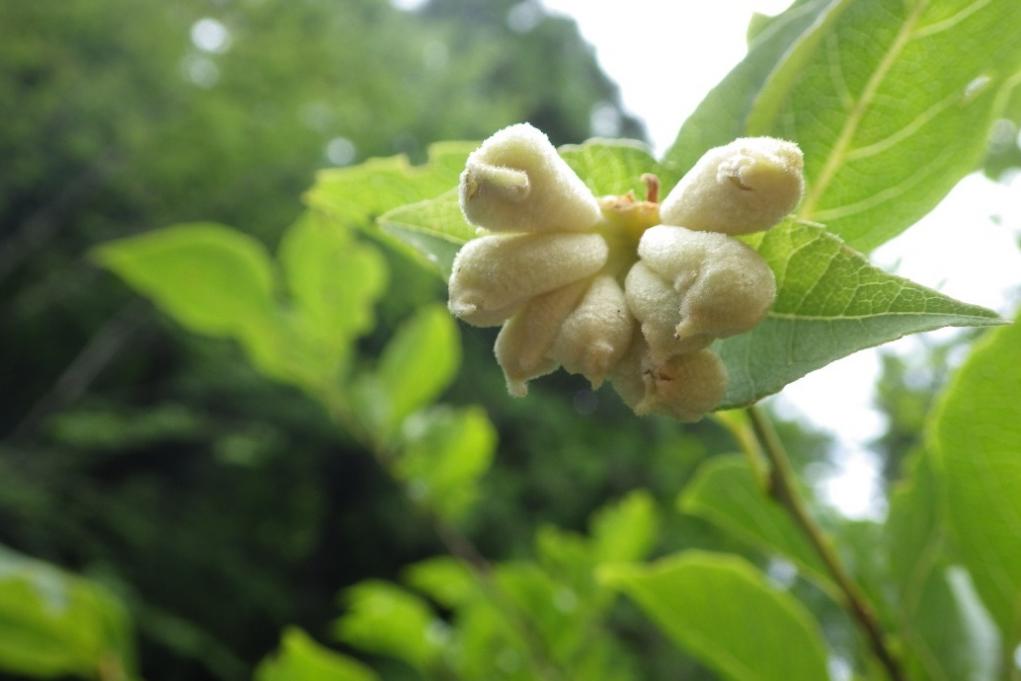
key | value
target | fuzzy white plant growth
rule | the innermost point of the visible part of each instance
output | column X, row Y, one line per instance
column 493, row 276
column 721, row 286
column 516, row 182
column 617, row 288
column 746, row 186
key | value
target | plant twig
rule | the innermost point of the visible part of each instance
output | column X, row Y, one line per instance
column 782, row 487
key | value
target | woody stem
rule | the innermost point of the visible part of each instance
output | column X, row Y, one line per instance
column 782, row 486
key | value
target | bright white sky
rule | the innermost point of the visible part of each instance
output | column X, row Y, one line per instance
column 665, row 56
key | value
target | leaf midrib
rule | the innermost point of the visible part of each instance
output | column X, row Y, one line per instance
column 839, row 151
column 971, row 319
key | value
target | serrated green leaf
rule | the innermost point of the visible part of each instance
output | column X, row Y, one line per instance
column 359, row 195
column 445, row 451
column 726, row 493
column 830, row 303
column 724, row 612
column 722, row 115
column 210, row 278
column 612, row 166
column 385, row 619
column 976, row 439
column 417, row 365
column 300, row 658
column 888, row 125
column 53, row 623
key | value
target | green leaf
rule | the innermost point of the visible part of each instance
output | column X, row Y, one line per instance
column 612, row 166
column 211, row 279
column 625, row 530
column 445, row 452
column 218, row 281
column 976, row 439
column 385, row 619
column 359, row 195
column 53, row 623
column 722, row 115
column 830, row 303
column 334, row 281
column 888, row 125
column 436, row 228
column 548, row 607
column 302, row 659
column 417, row 365
column 444, row 579
column 724, row 612
column 726, row 493
column 948, row 633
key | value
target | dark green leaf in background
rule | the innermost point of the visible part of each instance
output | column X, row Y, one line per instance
column 976, row 442
column 385, row 619
column 947, row 632
column 444, row 453
column 418, row 363
column 53, row 623
column 302, row 659
column 334, row 281
column 726, row 493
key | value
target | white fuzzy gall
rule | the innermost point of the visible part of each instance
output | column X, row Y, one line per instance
column 746, row 186
column 517, row 182
column 595, row 336
column 724, row 287
column 493, row 276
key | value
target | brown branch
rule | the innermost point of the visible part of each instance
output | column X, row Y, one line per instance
column 783, row 488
